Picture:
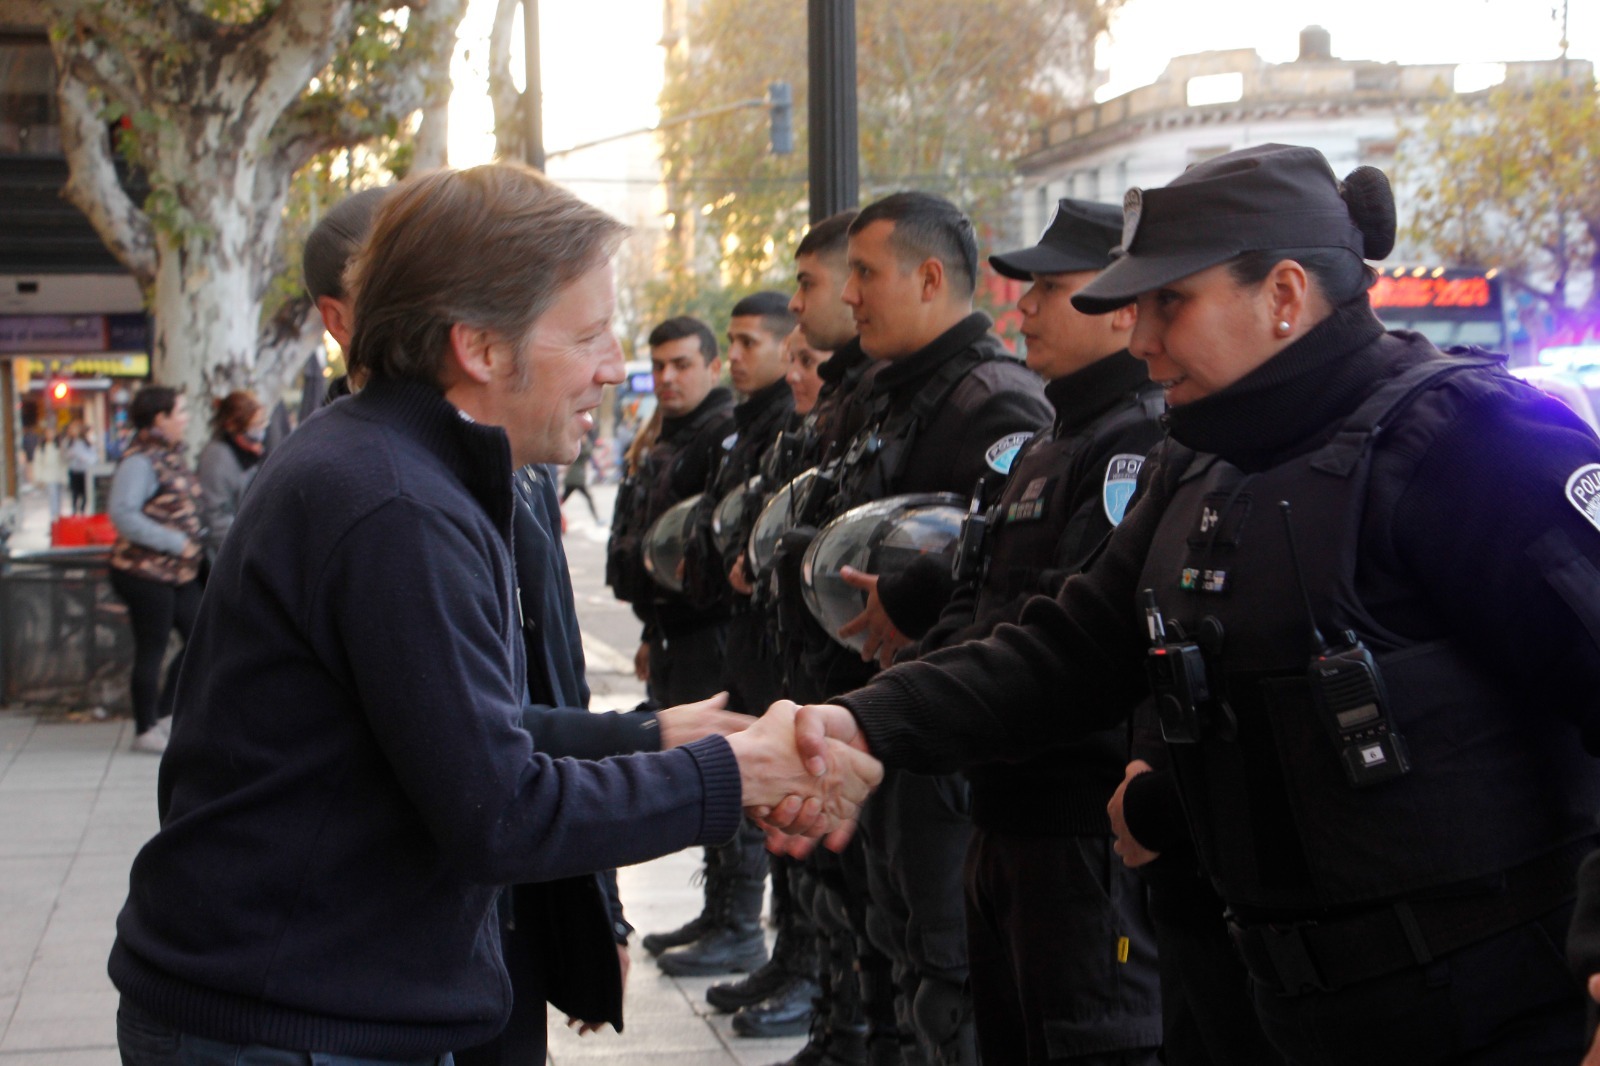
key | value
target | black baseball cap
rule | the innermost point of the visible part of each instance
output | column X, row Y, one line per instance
column 1081, row 236
column 1268, row 196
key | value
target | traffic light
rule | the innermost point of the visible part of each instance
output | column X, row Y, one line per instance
column 60, row 390
column 780, row 105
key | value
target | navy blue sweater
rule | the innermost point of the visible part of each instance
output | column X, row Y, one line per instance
column 348, row 779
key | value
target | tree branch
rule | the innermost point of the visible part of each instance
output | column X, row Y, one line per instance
column 503, row 93
column 93, row 185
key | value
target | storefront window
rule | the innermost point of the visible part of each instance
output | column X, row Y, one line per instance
column 30, row 122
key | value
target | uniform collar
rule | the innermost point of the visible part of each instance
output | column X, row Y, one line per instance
column 914, row 368
column 718, row 397
column 1289, row 400
column 1084, row 395
column 759, row 403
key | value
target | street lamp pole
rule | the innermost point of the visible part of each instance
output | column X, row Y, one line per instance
column 833, row 137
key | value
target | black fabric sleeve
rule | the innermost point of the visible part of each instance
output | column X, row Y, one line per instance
column 913, row 597
column 620, row 927
column 1154, row 811
column 1073, row 665
column 572, row 732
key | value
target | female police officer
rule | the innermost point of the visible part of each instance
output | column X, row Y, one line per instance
column 1362, row 584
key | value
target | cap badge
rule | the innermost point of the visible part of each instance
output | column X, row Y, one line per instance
column 1132, row 208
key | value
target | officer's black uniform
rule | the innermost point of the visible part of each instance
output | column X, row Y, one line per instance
column 746, row 670
column 1398, row 859
column 940, row 419
column 1355, row 905
column 685, row 639
column 1062, row 955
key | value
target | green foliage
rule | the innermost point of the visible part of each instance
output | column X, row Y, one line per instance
column 1508, row 180
column 946, row 95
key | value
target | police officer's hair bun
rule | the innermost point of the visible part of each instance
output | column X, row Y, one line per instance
column 1370, row 201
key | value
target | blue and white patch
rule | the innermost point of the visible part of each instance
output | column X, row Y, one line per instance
column 1121, row 474
column 730, row 440
column 1003, row 452
column 1583, row 489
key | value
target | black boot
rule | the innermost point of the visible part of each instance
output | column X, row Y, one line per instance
column 694, row 928
column 794, row 954
column 786, row 1012
column 735, row 944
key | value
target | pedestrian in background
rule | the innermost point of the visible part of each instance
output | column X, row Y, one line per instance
column 49, row 469
column 576, row 478
column 229, row 461
column 81, row 458
column 155, row 563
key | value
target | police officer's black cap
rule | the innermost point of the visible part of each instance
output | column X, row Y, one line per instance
column 1081, row 236
column 1255, row 199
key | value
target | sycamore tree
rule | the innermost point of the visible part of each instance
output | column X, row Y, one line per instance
column 1508, row 180
column 218, row 105
column 946, row 96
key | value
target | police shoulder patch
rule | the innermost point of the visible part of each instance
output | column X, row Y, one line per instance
column 730, row 441
column 1583, row 489
column 1122, row 472
column 1003, row 452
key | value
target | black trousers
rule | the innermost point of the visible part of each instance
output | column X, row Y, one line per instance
column 1062, row 952
column 78, row 486
column 155, row 609
column 687, row 666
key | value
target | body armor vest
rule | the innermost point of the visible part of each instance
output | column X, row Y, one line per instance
column 1276, row 818
column 1028, row 529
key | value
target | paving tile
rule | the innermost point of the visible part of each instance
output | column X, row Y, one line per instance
column 104, row 1056
column 63, row 1021
column 43, row 823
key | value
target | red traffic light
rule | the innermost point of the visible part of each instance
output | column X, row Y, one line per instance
column 60, row 391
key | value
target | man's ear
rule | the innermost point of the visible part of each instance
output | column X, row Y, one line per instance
column 337, row 319
column 471, row 352
column 931, row 274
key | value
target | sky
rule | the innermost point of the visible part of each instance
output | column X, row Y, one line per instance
column 602, row 62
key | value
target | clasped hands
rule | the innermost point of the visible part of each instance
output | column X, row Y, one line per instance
column 805, row 772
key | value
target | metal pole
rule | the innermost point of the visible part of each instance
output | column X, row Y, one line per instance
column 833, row 137
column 532, row 98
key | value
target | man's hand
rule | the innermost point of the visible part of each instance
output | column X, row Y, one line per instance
column 641, row 662
column 736, row 579
column 625, row 963
column 1593, row 1057
column 817, row 797
column 691, row 721
column 820, row 729
column 1134, row 854
column 883, row 639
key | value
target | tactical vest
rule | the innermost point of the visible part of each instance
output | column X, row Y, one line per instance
column 874, row 461
column 1028, row 528
column 176, row 505
column 1493, row 782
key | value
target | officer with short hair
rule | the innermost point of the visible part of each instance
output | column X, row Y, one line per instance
column 1360, row 584
column 747, row 665
column 948, row 406
column 681, row 645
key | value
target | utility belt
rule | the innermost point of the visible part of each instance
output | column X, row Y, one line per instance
column 1325, row 955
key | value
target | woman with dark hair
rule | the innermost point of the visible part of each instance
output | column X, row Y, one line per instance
column 228, row 462
column 155, row 563
column 1362, row 583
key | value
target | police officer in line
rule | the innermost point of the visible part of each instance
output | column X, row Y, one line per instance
column 1060, row 947
column 680, row 649
column 855, row 996
column 1360, row 585
column 746, row 666
column 948, row 407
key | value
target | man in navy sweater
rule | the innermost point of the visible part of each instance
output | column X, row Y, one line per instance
column 349, row 781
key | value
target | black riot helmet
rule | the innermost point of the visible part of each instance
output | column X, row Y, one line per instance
column 777, row 517
column 664, row 543
column 881, row 537
column 732, row 512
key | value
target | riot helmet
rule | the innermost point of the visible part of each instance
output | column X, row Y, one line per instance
column 778, row 517
column 732, row 512
column 664, row 543
column 881, row 537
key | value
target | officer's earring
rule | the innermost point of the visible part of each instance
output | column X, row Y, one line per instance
column 1284, row 327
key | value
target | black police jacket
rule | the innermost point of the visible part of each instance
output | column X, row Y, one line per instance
column 1471, row 550
column 676, row 467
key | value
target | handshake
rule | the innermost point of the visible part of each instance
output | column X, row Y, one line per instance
column 805, row 772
